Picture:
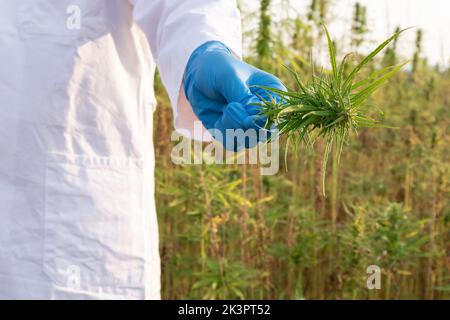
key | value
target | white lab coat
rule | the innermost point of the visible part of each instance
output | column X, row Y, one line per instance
column 77, row 212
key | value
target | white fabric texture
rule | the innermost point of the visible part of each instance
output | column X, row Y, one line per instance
column 175, row 29
column 77, row 211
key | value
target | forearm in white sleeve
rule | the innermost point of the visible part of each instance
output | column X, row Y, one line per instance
column 174, row 29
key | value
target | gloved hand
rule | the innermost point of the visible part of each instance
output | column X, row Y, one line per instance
column 219, row 87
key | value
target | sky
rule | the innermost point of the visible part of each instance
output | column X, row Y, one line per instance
column 433, row 16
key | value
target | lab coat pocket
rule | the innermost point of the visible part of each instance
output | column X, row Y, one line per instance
column 94, row 230
column 62, row 21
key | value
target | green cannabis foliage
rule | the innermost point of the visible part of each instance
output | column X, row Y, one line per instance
column 330, row 106
column 264, row 37
column 359, row 25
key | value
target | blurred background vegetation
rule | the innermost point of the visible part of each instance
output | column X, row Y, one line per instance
column 229, row 233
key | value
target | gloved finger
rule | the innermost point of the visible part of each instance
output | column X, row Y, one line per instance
column 231, row 83
column 235, row 140
column 234, row 116
column 200, row 100
column 237, row 129
column 252, row 105
column 267, row 80
column 206, row 109
column 256, row 122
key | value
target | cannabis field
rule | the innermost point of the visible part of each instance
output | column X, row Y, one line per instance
column 227, row 232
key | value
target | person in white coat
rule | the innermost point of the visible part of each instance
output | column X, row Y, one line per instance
column 77, row 212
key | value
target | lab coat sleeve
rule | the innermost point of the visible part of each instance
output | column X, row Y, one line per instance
column 174, row 29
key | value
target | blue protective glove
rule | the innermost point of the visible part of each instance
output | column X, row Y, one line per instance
column 219, row 87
